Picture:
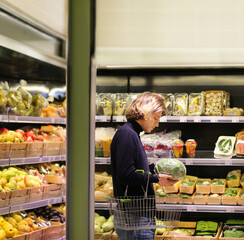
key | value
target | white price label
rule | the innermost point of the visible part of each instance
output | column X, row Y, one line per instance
column 214, row 119
column 228, row 162
column 191, row 209
column 183, row 119
column 189, row 162
column 235, row 119
column 163, row 119
column 1, row 117
column 230, row 209
column 120, row 118
column 197, row 119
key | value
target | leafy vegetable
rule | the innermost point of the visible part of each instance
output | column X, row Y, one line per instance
column 231, row 192
column 232, row 177
column 233, row 234
column 218, row 182
column 235, row 221
column 207, row 226
column 171, row 167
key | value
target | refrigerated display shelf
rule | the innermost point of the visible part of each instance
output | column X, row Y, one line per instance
column 36, row 204
column 181, row 119
column 23, row 119
column 189, row 161
column 187, row 208
column 33, row 160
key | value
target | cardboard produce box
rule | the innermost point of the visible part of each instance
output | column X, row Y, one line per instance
column 185, row 198
column 51, row 148
column 4, row 150
column 34, row 149
column 18, row 196
column 52, row 190
column 55, row 231
column 174, row 188
column 18, row 150
column 104, row 236
column 20, row 236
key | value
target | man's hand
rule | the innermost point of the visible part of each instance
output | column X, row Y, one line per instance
column 165, row 180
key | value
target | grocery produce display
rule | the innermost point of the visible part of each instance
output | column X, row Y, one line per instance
column 20, row 102
column 208, row 103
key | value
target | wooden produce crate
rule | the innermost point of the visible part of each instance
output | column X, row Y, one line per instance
column 20, row 236
column 105, row 236
column 18, row 196
column 172, row 198
column 36, row 193
column 202, row 199
column 214, row 200
column 36, row 235
column 4, row 150
column 63, row 147
column 34, row 149
column 174, row 188
column 116, row 237
column 219, row 189
column 156, row 237
column 55, row 231
column 51, row 148
column 4, row 199
column 203, row 189
column 188, row 189
column 227, row 200
column 168, row 235
column 185, row 199
column 242, row 180
column 64, row 188
column 52, row 190
column 221, row 237
column 18, row 150
column 182, row 224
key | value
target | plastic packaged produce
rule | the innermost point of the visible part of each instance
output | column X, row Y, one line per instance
column 168, row 102
column 26, row 96
column 171, row 167
column 233, row 111
column 224, row 147
column 191, row 148
column 178, row 148
column 195, row 107
column 120, row 103
column 53, row 111
column 105, row 104
column 103, row 138
column 180, row 104
column 132, row 97
column 213, row 103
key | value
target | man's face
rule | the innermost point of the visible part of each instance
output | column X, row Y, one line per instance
column 151, row 122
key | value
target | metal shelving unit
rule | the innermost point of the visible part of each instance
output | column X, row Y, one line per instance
column 188, row 208
column 34, row 160
column 180, row 119
column 190, row 161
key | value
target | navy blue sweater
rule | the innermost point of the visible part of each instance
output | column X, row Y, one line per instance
column 127, row 155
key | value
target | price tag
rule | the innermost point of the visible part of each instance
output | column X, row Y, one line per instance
column 228, row 162
column 163, row 119
column 183, row 119
column 189, row 162
column 103, row 118
column 1, row 117
column 197, row 119
column 120, row 118
column 230, row 209
column 191, row 209
column 214, row 119
column 52, row 120
column 235, row 119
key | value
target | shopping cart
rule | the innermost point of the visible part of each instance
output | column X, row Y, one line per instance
column 143, row 212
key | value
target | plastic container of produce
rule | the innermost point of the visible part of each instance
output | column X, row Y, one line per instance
column 213, row 103
column 191, row 148
column 178, row 148
column 180, row 104
column 224, row 146
column 218, row 185
column 168, row 102
column 120, row 103
column 195, row 106
column 105, row 104
column 203, row 186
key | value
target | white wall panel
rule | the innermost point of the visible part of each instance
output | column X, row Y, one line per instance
column 179, row 31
